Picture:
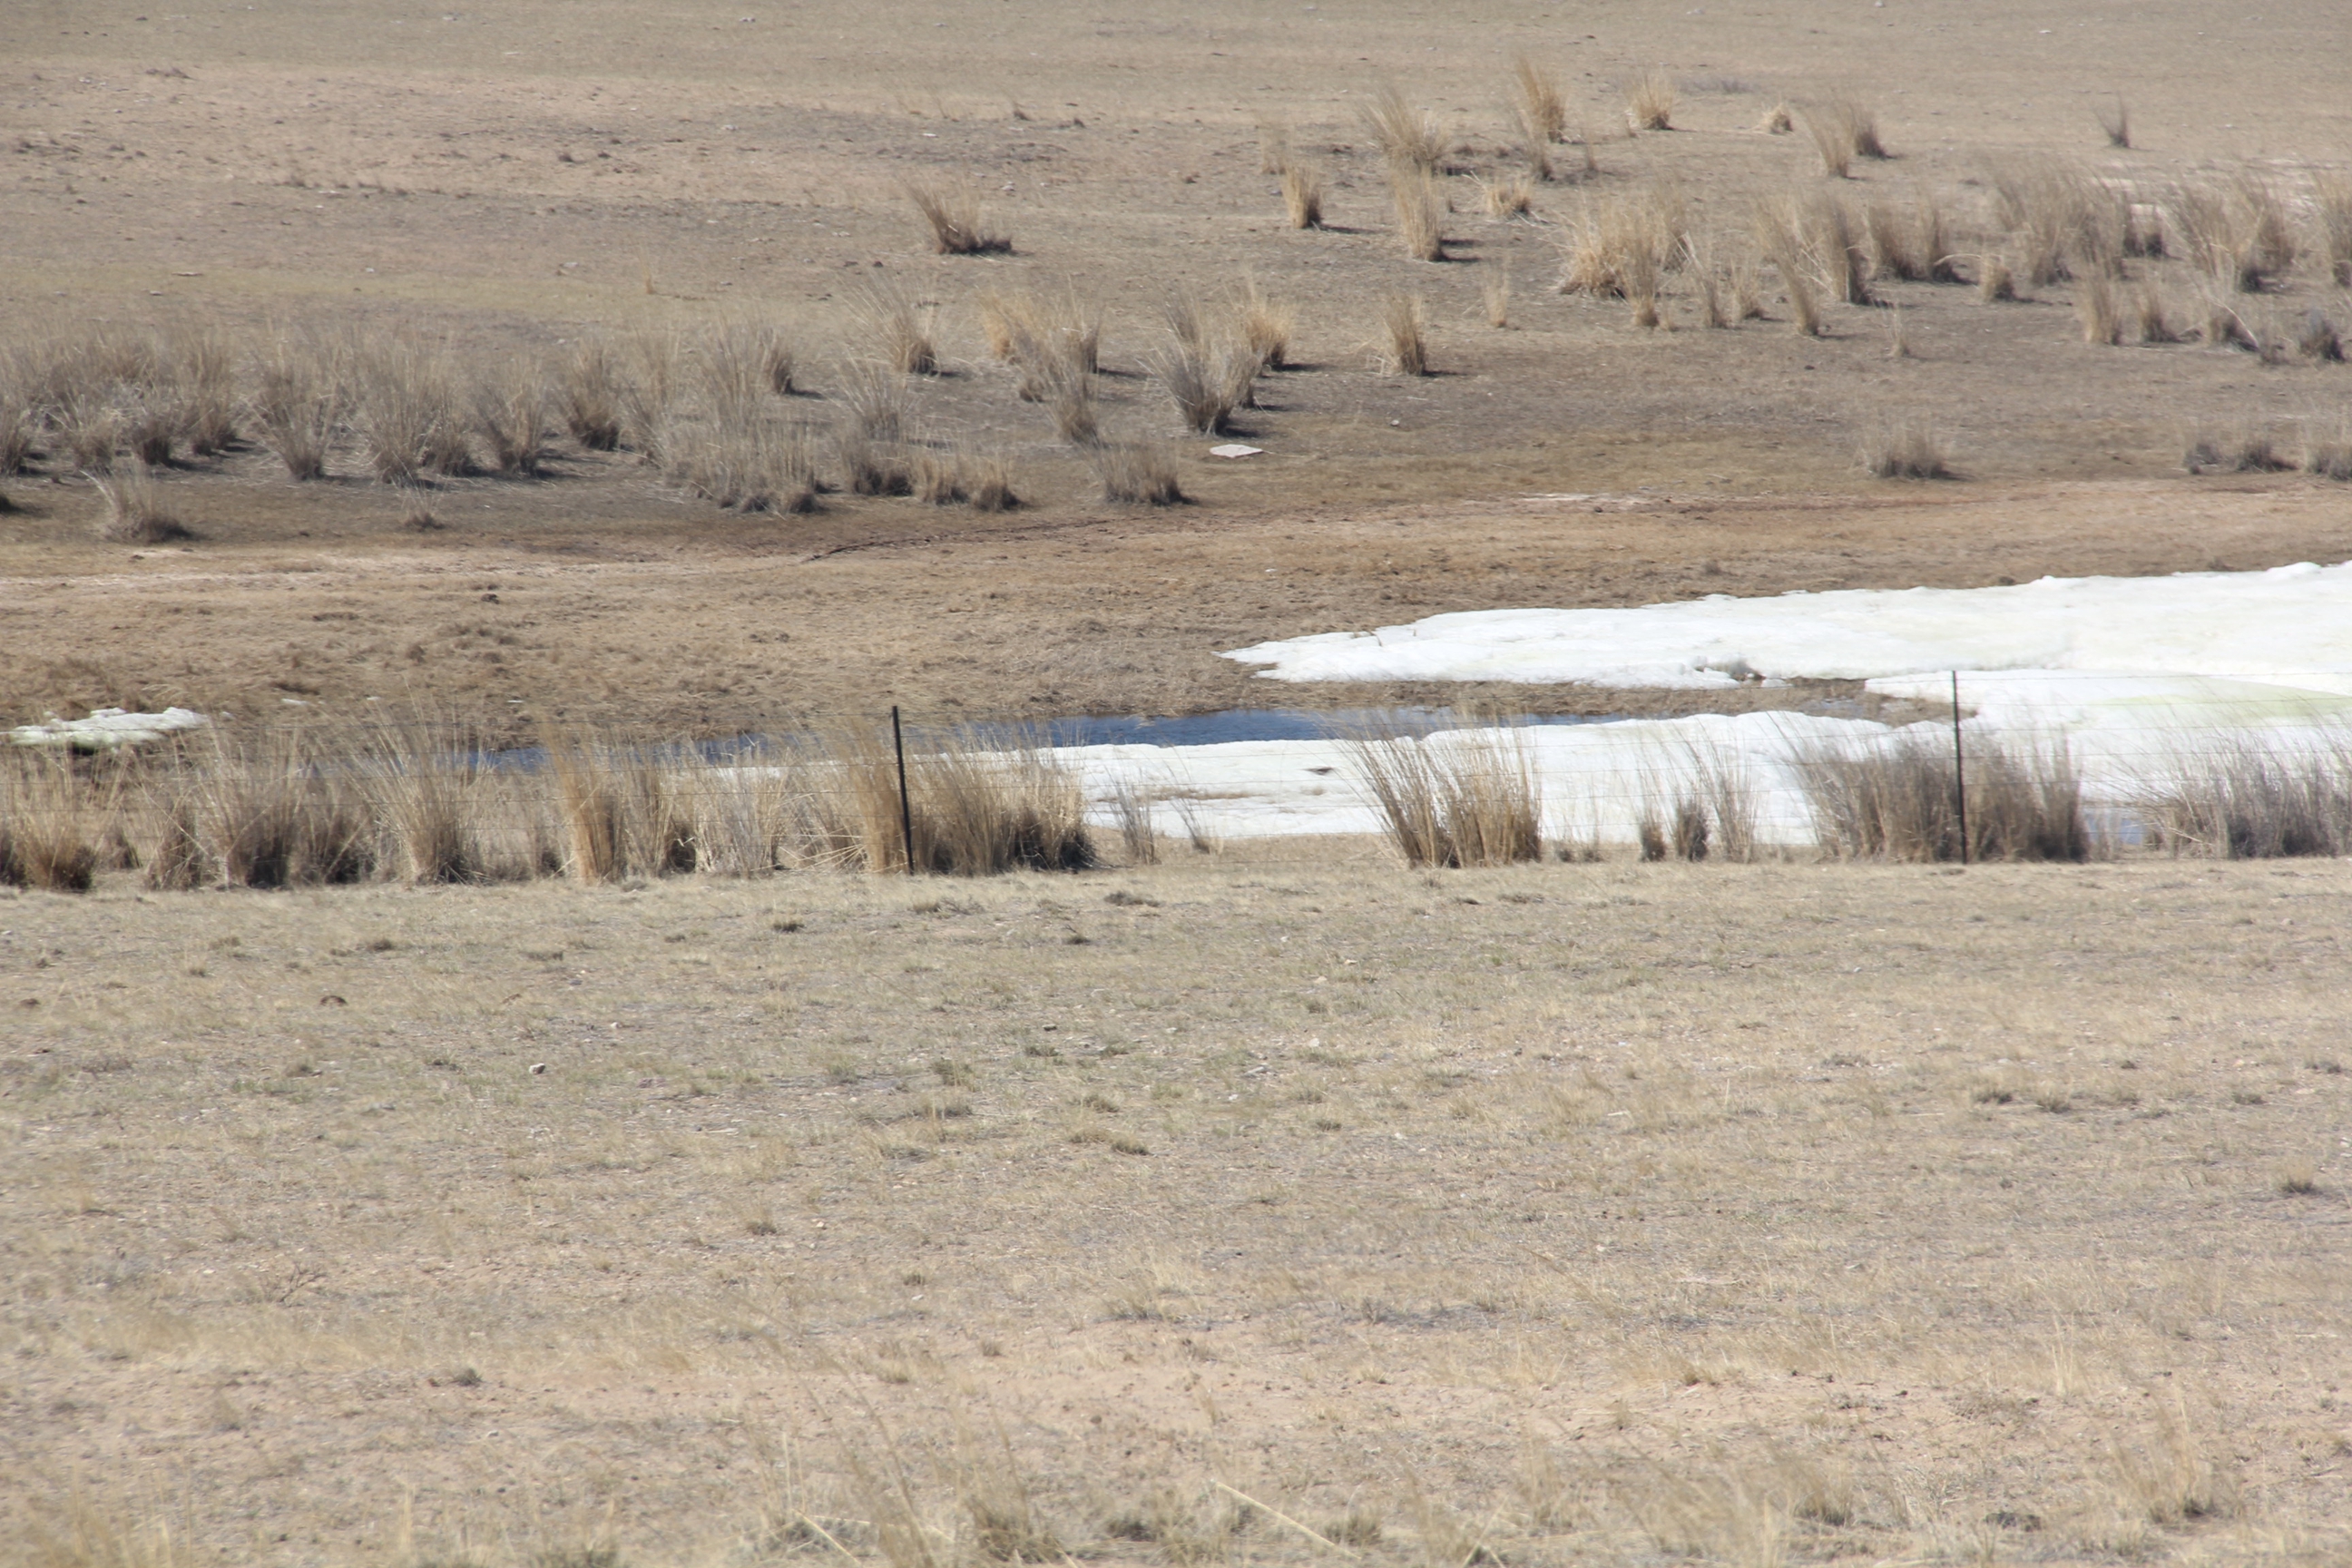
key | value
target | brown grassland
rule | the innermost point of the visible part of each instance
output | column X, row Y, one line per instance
column 680, row 369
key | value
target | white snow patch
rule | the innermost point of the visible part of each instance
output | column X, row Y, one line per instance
column 106, row 728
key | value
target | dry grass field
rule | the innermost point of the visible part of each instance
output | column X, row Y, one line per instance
column 1606, row 1213
column 1275, row 1204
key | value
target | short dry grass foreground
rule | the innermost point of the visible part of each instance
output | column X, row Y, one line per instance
column 1232, row 1210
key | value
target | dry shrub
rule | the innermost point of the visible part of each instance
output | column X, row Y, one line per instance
column 2097, row 309
column 2115, row 122
column 2253, row 799
column 50, row 824
column 136, row 510
column 2243, row 448
column 2332, row 208
column 1137, row 473
column 510, row 414
column 1650, row 101
column 1420, row 213
column 1408, row 138
column 1465, row 799
column 589, row 392
column 300, row 398
column 407, row 409
column 898, row 331
column 1906, row 449
column 1898, row 800
column 1408, row 350
column 955, row 222
column 1302, row 196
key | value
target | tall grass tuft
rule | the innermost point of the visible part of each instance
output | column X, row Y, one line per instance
column 407, row 409
column 1898, row 800
column 1420, row 213
column 1408, row 138
column 1650, row 101
column 2097, row 309
column 206, row 377
column 898, row 331
column 301, row 395
column 2252, row 799
column 1776, row 237
column 1135, row 473
column 1906, row 449
column 977, row 806
column 1614, row 236
column 1302, row 196
column 1535, row 101
column 955, row 223
column 2115, row 122
column 1407, row 349
column 136, row 510
column 589, row 394
column 1206, row 378
column 1471, row 798
column 2332, row 206
column 50, row 829
column 510, row 415
column 1265, row 326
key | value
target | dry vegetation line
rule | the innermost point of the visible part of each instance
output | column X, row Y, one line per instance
column 867, row 1221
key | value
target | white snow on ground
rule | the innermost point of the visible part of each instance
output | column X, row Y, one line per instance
column 106, row 728
column 2132, row 673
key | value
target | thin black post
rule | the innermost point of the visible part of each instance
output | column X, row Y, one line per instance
column 1960, row 770
column 906, row 812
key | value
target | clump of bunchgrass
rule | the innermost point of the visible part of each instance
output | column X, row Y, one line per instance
column 1406, row 351
column 1139, row 473
column 954, row 220
column 1906, row 449
column 300, row 399
column 1650, row 101
column 137, row 511
column 1408, row 138
column 1302, row 196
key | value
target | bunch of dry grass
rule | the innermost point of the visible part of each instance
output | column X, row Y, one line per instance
column 1910, row 245
column 1495, row 295
column 50, row 824
column 2061, row 221
column 1777, row 241
column 1408, row 138
column 1407, row 350
column 1265, row 326
column 426, row 785
column 620, row 811
column 2240, row 448
column 1467, row 799
column 589, row 394
column 21, row 409
column 1831, row 139
column 1535, row 101
column 1420, row 211
column 1837, row 244
column 2096, row 308
column 1139, row 839
column 1507, row 196
column 2332, row 209
column 300, row 399
column 2317, row 339
column 2253, row 799
column 136, row 510
column 1899, row 800
column 1135, row 473
column 749, row 460
column 406, row 408
column 206, row 387
column 876, row 397
column 650, row 391
column 955, row 223
column 1205, row 378
column 1995, row 282
column 2234, row 228
column 871, row 467
column 1779, row 120
column 1906, row 449
column 898, row 331
column 272, row 813
column 1844, row 123
column 1302, row 196
column 988, row 487
column 1614, row 235
column 2149, row 316
column 510, row 414
column 976, row 805
column 745, row 362
column 1650, row 101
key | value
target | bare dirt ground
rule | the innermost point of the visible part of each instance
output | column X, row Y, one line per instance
column 1577, row 1214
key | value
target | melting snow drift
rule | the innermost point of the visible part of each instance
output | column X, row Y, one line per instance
column 106, row 728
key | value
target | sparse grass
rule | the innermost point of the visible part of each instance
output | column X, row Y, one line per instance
column 1832, row 140
column 411, row 418
column 2241, row 448
column 2097, row 309
column 1302, row 196
column 1406, row 351
column 2253, row 799
column 137, row 511
column 1650, row 101
column 1535, row 101
column 2234, row 228
column 2149, row 317
column 588, row 391
column 1273, row 146
column 954, row 221
column 2332, row 209
column 875, row 395
column 1507, row 196
column 510, row 414
column 1776, row 238
column 1906, row 449
column 2327, row 453
column 1265, row 325
column 205, row 372
column 1495, row 294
